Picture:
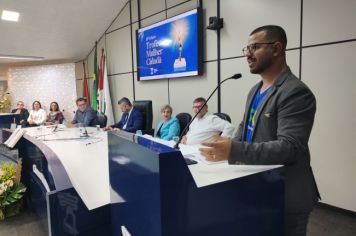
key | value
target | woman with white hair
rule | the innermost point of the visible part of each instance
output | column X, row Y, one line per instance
column 168, row 127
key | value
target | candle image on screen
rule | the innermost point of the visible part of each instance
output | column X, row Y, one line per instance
column 170, row 48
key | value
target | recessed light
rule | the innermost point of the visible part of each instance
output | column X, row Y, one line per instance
column 10, row 15
column 13, row 57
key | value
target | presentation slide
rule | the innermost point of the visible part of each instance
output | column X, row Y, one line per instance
column 169, row 48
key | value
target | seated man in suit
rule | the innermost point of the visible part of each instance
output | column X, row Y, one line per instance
column 131, row 119
column 85, row 114
column 206, row 125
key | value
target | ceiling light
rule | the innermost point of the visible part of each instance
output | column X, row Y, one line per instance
column 12, row 57
column 10, row 15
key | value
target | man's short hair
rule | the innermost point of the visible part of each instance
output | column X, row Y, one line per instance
column 124, row 100
column 200, row 100
column 274, row 33
column 80, row 100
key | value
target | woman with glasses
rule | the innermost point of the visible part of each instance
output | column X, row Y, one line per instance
column 55, row 116
column 37, row 116
column 20, row 109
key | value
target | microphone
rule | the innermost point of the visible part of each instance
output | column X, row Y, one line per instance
column 55, row 128
column 235, row 76
column 85, row 134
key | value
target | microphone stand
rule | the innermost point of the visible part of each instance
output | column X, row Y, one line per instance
column 236, row 76
column 85, row 134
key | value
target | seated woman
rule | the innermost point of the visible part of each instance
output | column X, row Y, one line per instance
column 55, row 116
column 20, row 109
column 169, row 126
column 37, row 115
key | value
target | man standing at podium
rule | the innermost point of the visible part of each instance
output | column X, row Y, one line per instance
column 277, row 123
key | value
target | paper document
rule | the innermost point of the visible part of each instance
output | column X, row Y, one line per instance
column 169, row 143
column 14, row 137
column 192, row 152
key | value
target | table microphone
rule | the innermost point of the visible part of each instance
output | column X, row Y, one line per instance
column 55, row 128
column 235, row 76
column 85, row 134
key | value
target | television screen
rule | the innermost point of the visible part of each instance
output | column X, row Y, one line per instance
column 171, row 48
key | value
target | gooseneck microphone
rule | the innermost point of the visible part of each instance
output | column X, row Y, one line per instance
column 55, row 128
column 85, row 133
column 235, row 76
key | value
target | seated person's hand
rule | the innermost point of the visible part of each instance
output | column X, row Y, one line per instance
column 217, row 150
column 108, row 128
column 184, row 140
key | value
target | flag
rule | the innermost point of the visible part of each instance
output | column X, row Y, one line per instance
column 101, row 82
column 94, row 93
column 105, row 106
column 86, row 92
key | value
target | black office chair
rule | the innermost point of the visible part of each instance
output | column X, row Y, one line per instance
column 145, row 106
column 223, row 116
column 184, row 119
column 102, row 120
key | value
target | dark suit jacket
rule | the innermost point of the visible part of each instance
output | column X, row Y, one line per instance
column 283, row 123
column 134, row 123
column 24, row 114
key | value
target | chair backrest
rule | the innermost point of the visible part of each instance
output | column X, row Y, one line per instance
column 223, row 116
column 145, row 106
column 184, row 119
column 102, row 120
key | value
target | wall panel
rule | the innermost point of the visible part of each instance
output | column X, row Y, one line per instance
column 120, row 86
column 123, row 18
column 151, row 7
column 209, row 36
column 334, row 21
column 333, row 138
column 155, row 90
column 118, row 45
column 241, row 17
column 184, row 90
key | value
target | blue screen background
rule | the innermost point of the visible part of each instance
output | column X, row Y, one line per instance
column 164, row 63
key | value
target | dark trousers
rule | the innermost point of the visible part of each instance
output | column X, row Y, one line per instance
column 295, row 224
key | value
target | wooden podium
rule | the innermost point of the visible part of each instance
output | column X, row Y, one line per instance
column 153, row 193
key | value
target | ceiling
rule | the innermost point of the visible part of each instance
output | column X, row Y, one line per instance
column 55, row 29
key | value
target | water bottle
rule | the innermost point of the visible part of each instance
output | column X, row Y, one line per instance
column 64, row 122
column 13, row 125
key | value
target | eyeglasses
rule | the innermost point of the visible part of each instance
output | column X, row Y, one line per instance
column 198, row 106
column 253, row 47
